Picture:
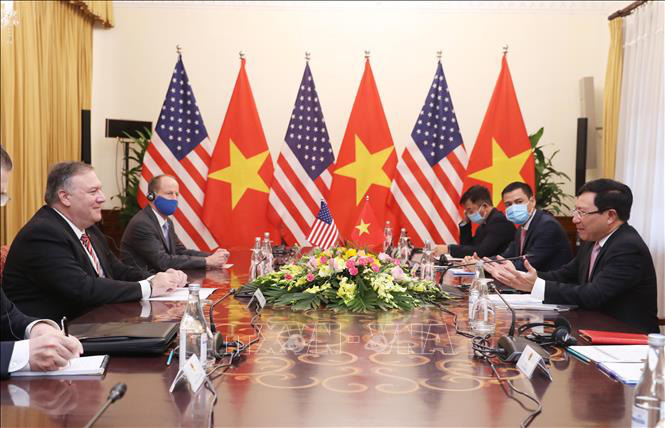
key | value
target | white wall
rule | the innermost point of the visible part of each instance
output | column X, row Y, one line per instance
column 551, row 46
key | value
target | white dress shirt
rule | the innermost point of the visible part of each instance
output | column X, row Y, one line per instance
column 145, row 284
column 538, row 290
column 20, row 359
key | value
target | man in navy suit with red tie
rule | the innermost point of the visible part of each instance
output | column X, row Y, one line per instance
column 60, row 264
column 612, row 272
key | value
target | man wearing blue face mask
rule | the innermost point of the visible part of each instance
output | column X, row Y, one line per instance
column 539, row 234
column 494, row 233
column 150, row 242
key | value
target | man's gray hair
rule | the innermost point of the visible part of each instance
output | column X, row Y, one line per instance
column 59, row 176
column 5, row 160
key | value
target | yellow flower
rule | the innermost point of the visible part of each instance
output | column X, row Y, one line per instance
column 350, row 253
column 346, row 291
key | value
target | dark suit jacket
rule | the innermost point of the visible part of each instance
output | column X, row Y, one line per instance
column 13, row 324
column 623, row 280
column 143, row 245
column 545, row 240
column 49, row 274
column 492, row 237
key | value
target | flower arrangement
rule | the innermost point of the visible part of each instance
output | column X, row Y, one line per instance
column 346, row 278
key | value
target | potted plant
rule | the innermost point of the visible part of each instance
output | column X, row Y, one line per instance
column 138, row 144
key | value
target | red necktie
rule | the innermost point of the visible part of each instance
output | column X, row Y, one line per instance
column 594, row 254
column 85, row 240
column 522, row 239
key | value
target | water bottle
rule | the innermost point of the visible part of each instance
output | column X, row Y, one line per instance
column 403, row 248
column 427, row 263
column 256, row 260
column 266, row 252
column 482, row 318
column 649, row 401
column 194, row 331
column 387, row 237
column 474, row 290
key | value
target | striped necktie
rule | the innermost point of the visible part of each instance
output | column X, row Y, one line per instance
column 85, row 240
column 165, row 231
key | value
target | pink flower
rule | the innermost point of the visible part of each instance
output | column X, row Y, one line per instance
column 375, row 267
column 310, row 277
column 362, row 261
column 288, row 277
column 397, row 273
column 350, row 264
column 397, row 262
column 383, row 257
column 324, row 259
column 353, row 271
column 313, row 262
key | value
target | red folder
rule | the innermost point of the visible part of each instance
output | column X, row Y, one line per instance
column 598, row 337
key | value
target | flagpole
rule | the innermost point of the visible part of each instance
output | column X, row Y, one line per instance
column 505, row 49
column 241, row 54
column 178, row 49
column 367, row 55
column 307, row 55
column 438, row 55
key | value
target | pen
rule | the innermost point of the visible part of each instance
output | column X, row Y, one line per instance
column 63, row 324
column 168, row 360
column 578, row 356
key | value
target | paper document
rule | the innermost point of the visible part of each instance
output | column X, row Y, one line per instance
column 613, row 353
column 629, row 373
column 461, row 272
column 227, row 266
column 526, row 301
column 94, row 365
column 182, row 294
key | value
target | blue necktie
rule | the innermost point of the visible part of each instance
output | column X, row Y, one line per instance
column 165, row 229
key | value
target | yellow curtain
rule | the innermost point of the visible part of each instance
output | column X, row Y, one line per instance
column 45, row 82
column 612, row 97
column 101, row 11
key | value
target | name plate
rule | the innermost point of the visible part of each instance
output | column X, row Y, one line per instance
column 192, row 372
column 529, row 361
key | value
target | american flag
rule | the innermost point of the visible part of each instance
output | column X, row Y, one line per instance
column 181, row 147
column 302, row 176
column 430, row 174
column 324, row 232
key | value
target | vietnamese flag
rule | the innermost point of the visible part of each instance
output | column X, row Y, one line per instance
column 502, row 153
column 366, row 162
column 236, row 197
column 367, row 231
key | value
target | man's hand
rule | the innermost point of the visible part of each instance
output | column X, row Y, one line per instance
column 217, row 259
column 506, row 273
column 470, row 261
column 440, row 249
column 50, row 349
column 179, row 276
column 164, row 283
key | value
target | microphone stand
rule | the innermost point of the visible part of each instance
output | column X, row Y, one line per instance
column 511, row 347
column 444, row 267
column 117, row 392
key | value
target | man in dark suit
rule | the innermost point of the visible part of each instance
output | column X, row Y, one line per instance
column 539, row 234
column 612, row 272
column 60, row 264
column 493, row 234
column 150, row 242
column 27, row 342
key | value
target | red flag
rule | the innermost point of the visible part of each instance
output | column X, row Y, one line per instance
column 502, row 153
column 367, row 159
column 367, row 231
column 236, row 200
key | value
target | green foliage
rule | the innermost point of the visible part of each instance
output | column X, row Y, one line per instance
column 549, row 193
column 138, row 145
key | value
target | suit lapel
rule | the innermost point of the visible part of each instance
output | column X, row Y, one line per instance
column 602, row 252
column 76, row 242
column 529, row 231
column 155, row 223
column 101, row 255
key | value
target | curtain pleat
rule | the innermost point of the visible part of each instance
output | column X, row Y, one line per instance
column 612, row 97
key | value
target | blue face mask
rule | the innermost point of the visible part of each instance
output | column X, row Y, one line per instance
column 517, row 213
column 476, row 217
column 166, row 206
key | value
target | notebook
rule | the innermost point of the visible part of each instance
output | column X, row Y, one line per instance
column 82, row 366
column 598, row 337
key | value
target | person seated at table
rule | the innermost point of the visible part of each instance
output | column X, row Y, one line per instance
column 612, row 272
column 26, row 342
column 60, row 264
column 539, row 235
column 150, row 241
column 494, row 232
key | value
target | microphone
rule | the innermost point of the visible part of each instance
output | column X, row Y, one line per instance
column 217, row 338
column 117, row 392
column 511, row 347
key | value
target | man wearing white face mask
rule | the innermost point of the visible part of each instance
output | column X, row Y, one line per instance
column 150, row 242
column 494, row 233
column 539, row 234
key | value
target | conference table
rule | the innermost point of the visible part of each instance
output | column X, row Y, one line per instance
column 320, row 368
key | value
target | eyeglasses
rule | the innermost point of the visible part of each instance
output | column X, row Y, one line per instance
column 582, row 214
